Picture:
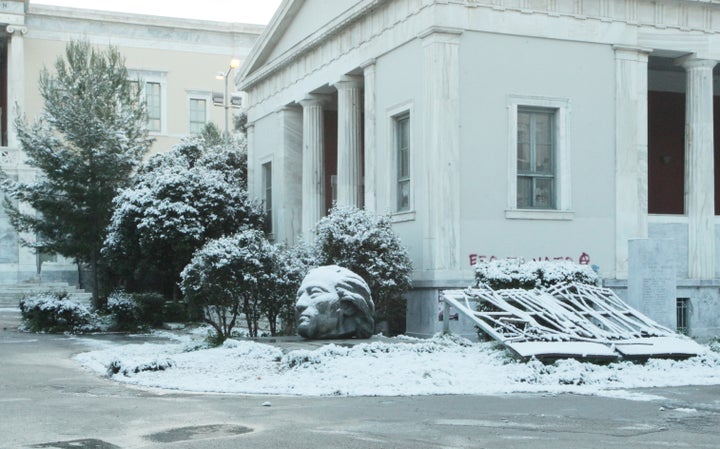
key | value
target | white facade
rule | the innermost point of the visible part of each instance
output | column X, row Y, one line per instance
column 177, row 58
column 327, row 88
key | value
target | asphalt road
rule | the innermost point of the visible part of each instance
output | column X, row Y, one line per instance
column 48, row 401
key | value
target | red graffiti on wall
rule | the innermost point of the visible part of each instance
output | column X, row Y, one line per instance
column 584, row 258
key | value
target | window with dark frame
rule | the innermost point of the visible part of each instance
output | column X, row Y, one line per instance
column 267, row 195
column 402, row 150
column 536, row 167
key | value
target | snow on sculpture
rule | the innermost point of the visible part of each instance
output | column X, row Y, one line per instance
column 334, row 302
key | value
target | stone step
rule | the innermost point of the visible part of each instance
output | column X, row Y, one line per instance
column 10, row 295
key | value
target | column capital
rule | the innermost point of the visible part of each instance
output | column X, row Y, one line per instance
column 369, row 64
column 348, row 82
column 693, row 62
column 632, row 53
column 12, row 29
column 308, row 100
column 288, row 108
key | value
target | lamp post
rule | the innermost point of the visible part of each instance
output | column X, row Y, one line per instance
column 234, row 64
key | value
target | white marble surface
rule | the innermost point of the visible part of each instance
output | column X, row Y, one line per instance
column 699, row 168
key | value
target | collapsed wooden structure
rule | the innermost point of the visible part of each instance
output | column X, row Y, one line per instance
column 566, row 321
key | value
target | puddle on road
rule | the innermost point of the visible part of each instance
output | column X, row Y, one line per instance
column 197, row 433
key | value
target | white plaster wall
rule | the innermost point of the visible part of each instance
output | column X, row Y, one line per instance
column 398, row 88
column 267, row 147
column 495, row 66
column 487, row 77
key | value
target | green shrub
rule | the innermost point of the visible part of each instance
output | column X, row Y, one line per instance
column 151, row 308
column 55, row 312
column 124, row 310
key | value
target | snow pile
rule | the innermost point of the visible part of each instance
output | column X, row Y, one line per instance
column 396, row 367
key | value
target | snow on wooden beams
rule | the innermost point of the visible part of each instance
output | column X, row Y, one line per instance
column 567, row 321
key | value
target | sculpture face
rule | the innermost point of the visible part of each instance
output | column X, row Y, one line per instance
column 334, row 302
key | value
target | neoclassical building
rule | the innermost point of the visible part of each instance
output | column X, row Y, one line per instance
column 540, row 129
column 177, row 59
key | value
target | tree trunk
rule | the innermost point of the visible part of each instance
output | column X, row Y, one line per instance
column 95, row 279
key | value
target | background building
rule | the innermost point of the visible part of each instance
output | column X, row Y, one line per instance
column 540, row 129
column 177, row 59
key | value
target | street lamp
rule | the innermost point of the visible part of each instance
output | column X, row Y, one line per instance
column 234, row 64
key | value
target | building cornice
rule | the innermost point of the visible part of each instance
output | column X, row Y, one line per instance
column 139, row 31
column 90, row 15
column 373, row 28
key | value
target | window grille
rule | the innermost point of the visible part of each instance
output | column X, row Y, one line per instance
column 683, row 322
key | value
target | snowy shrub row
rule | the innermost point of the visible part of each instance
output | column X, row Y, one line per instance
column 117, row 367
column 438, row 344
column 55, row 312
column 516, row 273
column 136, row 311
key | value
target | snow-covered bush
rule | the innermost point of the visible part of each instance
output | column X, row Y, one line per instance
column 224, row 278
column 178, row 201
column 117, row 367
column 247, row 274
column 55, row 312
column 153, row 309
column 366, row 244
column 277, row 299
column 124, row 310
column 516, row 273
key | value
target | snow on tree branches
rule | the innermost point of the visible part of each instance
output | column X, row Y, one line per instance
column 89, row 138
column 178, row 201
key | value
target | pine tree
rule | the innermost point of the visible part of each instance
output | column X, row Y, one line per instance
column 89, row 138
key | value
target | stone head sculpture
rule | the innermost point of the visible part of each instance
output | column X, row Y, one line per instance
column 334, row 302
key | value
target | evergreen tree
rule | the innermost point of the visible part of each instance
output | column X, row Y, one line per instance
column 90, row 136
column 177, row 202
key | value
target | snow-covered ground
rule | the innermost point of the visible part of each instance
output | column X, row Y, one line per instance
column 380, row 367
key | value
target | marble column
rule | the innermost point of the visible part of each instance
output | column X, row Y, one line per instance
column 287, row 166
column 313, row 164
column 370, row 146
column 16, row 78
column 349, row 166
column 441, row 151
column 631, row 147
column 699, row 167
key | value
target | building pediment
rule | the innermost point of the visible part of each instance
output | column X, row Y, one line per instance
column 297, row 26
